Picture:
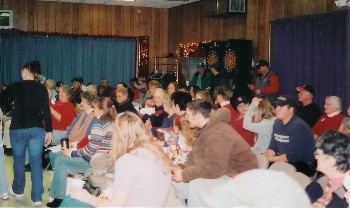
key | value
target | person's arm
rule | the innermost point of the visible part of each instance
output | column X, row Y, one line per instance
column 55, row 114
column 248, row 120
column 343, row 127
column 46, row 116
column 274, row 85
column 272, row 157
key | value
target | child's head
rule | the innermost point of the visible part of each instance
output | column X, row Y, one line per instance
column 141, row 80
column 181, row 125
column 149, row 103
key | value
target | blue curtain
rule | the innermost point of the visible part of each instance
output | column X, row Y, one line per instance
column 66, row 57
column 313, row 50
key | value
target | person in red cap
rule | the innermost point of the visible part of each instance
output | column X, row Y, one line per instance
column 308, row 110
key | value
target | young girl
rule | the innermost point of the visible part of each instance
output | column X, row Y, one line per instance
column 185, row 138
column 142, row 170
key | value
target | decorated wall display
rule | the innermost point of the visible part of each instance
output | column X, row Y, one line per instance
column 230, row 60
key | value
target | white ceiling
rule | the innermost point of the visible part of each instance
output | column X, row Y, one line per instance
column 136, row 3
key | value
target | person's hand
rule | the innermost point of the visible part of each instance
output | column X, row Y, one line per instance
column 65, row 151
column 250, row 86
column 257, row 92
column 177, row 174
column 148, row 124
column 79, row 194
column 256, row 101
column 47, row 141
column 177, row 109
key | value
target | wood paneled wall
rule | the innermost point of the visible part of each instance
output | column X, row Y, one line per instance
column 188, row 24
column 167, row 28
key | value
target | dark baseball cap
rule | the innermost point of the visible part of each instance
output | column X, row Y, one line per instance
column 261, row 63
column 286, row 100
column 200, row 64
column 308, row 88
column 239, row 100
column 59, row 83
column 216, row 66
column 78, row 79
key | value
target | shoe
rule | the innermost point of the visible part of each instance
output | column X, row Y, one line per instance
column 8, row 151
column 27, row 167
column 14, row 194
column 55, row 203
column 4, row 196
column 37, row 204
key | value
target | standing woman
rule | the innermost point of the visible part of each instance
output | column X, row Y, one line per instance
column 141, row 170
column 30, row 129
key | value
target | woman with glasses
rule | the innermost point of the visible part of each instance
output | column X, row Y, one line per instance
column 332, row 155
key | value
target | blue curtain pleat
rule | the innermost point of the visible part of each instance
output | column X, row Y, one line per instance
column 65, row 57
column 313, row 50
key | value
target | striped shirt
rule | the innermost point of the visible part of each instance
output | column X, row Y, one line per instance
column 100, row 141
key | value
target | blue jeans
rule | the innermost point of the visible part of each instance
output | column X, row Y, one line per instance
column 3, row 178
column 57, row 135
column 53, row 156
column 70, row 202
column 59, row 179
column 33, row 139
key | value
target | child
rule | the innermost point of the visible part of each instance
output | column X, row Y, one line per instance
column 140, row 89
column 185, row 138
column 3, row 179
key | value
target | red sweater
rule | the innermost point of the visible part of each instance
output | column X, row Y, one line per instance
column 234, row 113
column 325, row 123
column 67, row 112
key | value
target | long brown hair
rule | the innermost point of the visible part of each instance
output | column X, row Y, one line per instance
column 130, row 133
column 187, row 132
column 105, row 104
column 264, row 111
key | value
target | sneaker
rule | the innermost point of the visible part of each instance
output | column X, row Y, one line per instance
column 14, row 194
column 37, row 204
column 54, row 203
column 4, row 196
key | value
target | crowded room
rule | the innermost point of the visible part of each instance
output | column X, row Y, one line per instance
column 166, row 103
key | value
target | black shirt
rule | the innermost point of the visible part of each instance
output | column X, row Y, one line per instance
column 31, row 105
column 309, row 113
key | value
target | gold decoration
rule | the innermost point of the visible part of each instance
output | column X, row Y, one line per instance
column 212, row 58
column 230, row 60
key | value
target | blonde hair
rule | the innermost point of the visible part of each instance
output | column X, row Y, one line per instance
column 264, row 111
column 167, row 100
column 50, row 83
column 66, row 89
column 204, row 95
column 187, row 132
column 122, row 90
column 154, row 83
column 130, row 133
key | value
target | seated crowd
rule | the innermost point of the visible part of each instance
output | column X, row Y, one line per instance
column 204, row 144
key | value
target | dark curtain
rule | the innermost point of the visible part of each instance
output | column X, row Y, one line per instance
column 65, row 57
column 313, row 50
